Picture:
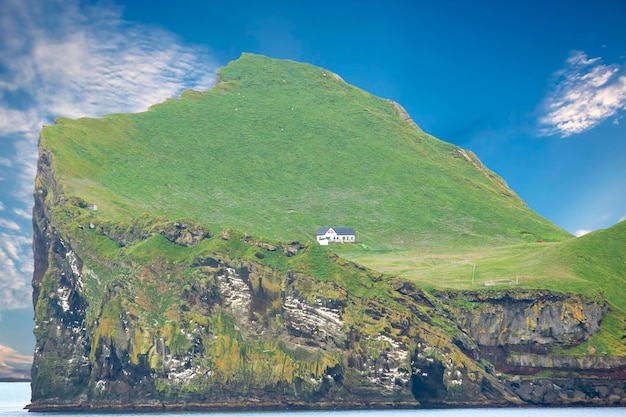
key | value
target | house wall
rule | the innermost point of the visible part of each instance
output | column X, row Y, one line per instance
column 332, row 237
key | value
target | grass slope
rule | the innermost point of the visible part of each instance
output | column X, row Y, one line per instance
column 599, row 258
column 594, row 265
column 278, row 149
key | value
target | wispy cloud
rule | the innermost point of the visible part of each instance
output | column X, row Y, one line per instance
column 22, row 213
column 9, row 224
column 582, row 232
column 68, row 58
column 586, row 93
column 14, row 364
column 15, row 260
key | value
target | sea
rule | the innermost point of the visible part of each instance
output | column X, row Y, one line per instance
column 14, row 396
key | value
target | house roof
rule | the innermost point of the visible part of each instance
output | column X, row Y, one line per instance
column 323, row 230
column 338, row 230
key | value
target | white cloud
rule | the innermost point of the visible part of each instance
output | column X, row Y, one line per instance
column 9, row 224
column 1, row 206
column 26, row 157
column 582, row 232
column 69, row 58
column 16, row 262
column 587, row 92
column 17, row 121
column 621, row 219
column 22, row 213
column 14, row 364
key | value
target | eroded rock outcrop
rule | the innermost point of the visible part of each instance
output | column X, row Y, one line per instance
column 518, row 331
column 524, row 317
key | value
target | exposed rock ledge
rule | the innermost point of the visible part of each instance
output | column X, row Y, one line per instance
column 518, row 317
column 404, row 115
column 614, row 364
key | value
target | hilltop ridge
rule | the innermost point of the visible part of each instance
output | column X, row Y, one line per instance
column 278, row 148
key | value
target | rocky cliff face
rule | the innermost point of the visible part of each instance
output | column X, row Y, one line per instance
column 538, row 318
column 518, row 331
column 164, row 315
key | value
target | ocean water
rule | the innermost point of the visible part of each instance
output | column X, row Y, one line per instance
column 15, row 395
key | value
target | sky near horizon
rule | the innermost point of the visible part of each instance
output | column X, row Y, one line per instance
column 537, row 89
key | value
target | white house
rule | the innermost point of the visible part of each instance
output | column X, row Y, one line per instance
column 329, row 234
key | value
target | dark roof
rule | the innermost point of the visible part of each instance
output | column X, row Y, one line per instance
column 339, row 230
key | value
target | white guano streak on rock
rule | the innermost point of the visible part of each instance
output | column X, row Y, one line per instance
column 63, row 294
column 91, row 274
column 452, row 375
column 177, row 371
column 314, row 320
column 235, row 292
column 395, row 359
column 72, row 260
column 101, row 385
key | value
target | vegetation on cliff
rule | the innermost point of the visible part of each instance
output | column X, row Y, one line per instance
column 195, row 283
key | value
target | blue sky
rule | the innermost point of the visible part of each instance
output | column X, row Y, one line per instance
column 537, row 89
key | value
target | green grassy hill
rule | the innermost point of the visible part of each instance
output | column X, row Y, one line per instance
column 137, row 304
column 278, row 149
column 594, row 264
column 599, row 259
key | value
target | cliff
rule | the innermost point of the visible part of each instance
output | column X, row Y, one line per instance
column 230, row 321
column 143, row 304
